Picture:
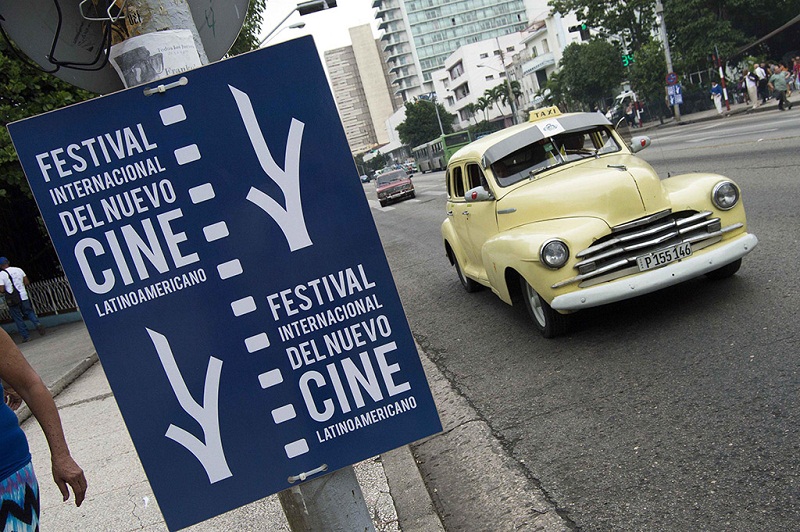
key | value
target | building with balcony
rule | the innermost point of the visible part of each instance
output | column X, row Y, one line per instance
column 528, row 57
column 420, row 34
column 470, row 71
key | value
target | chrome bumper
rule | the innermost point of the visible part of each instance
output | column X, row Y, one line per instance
column 653, row 280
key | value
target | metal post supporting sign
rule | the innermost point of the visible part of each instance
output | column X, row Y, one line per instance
column 216, row 236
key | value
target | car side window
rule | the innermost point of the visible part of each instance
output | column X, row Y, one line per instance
column 474, row 176
column 448, row 184
column 458, row 183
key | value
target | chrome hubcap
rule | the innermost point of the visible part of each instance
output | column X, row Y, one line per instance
column 536, row 304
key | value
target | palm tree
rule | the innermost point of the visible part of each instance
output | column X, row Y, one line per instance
column 500, row 93
column 484, row 103
column 471, row 108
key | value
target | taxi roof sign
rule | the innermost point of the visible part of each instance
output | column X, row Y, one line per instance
column 547, row 112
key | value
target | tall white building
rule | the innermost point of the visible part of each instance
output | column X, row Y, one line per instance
column 528, row 57
column 361, row 89
column 420, row 34
column 470, row 71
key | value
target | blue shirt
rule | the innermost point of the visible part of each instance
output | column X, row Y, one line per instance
column 716, row 89
column 14, row 452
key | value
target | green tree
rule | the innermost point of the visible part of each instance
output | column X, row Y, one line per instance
column 633, row 19
column 248, row 36
column 590, row 71
column 27, row 91
column 472, row 108
column 421, row 125
column 695, row 26
column 647, row 76
column 484, row 104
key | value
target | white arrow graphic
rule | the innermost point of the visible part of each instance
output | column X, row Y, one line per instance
column 210, row 453
column 290, row 219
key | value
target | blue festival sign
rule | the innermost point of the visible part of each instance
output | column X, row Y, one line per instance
column 218, row 241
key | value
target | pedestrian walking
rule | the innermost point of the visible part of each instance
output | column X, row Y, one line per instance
column 716, row 96
column 13, row 283
column 751, row 84
column 778, row 86
column 19, row 489
column 762, row 82
column 796, row 72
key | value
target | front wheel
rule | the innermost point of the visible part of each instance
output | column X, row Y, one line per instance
column 725, row 271
column 468, row 284
column 548, row 322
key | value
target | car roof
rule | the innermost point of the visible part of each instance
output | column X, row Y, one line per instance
column 546, row 123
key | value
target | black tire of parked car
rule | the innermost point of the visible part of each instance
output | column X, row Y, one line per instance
column 726, row 271
column 468, row 284
column 550, row 323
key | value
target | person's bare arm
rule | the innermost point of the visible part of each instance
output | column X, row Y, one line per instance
column 15, row 370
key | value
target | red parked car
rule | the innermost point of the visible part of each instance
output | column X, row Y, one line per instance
column 394, row 185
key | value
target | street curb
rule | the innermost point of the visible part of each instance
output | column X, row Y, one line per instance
column 412, row 502
column 61, row 383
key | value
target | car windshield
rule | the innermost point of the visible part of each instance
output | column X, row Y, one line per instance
column 548, row 153
column 391, row 177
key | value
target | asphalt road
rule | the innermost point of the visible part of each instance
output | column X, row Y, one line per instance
column 678, row 410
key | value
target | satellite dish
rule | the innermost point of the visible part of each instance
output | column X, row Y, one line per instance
column 33, row 24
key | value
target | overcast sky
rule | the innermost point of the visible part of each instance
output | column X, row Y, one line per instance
column 329, row 27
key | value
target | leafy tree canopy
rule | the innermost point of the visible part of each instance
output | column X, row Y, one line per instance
column 647, row 75
column 633, row 19
column 248, row 36
column 695, row 27
column 590, row 71
column 421, row 124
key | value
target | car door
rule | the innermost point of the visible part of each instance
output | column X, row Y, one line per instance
column 459, row 216
column 480, row 218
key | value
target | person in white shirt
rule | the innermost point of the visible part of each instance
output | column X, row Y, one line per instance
column 762, row 82
column 14, row 279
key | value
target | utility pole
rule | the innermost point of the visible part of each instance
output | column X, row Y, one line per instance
column 509, row 92
column 662, row 28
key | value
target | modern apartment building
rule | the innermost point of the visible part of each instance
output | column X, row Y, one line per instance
column 528, row 57
column 420, row 34
column 360, row 82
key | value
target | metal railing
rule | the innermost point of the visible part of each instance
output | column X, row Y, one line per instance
column 51, row 296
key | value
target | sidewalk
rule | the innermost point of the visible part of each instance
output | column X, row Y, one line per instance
column 711, row 114
column 119, row 496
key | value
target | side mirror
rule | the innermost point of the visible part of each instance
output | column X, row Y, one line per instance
column 639, row 143
column 478, row 194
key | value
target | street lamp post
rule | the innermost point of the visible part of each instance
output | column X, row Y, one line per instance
column 438, row 118
column 304, row 8
column 296, row 25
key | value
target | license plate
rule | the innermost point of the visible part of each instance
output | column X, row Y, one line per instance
column 663, row 256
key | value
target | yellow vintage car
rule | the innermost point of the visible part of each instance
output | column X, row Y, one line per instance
column 558, row 214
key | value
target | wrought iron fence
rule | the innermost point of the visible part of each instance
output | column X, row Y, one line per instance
column 51, row 296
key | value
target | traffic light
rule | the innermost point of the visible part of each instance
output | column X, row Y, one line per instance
column 583, row 29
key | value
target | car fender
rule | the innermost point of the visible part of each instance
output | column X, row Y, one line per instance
column 693, row 192
column 518, row 250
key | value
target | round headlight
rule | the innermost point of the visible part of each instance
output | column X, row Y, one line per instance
column 554, row 254
column 725, row 195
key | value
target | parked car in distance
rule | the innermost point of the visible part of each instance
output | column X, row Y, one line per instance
column 394, row 185
column 559, row 215
column 365, row 178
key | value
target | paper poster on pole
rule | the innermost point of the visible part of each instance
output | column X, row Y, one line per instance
column 153, row 56
column 218, row 241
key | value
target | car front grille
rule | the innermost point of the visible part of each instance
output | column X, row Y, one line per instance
column 614, row 255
